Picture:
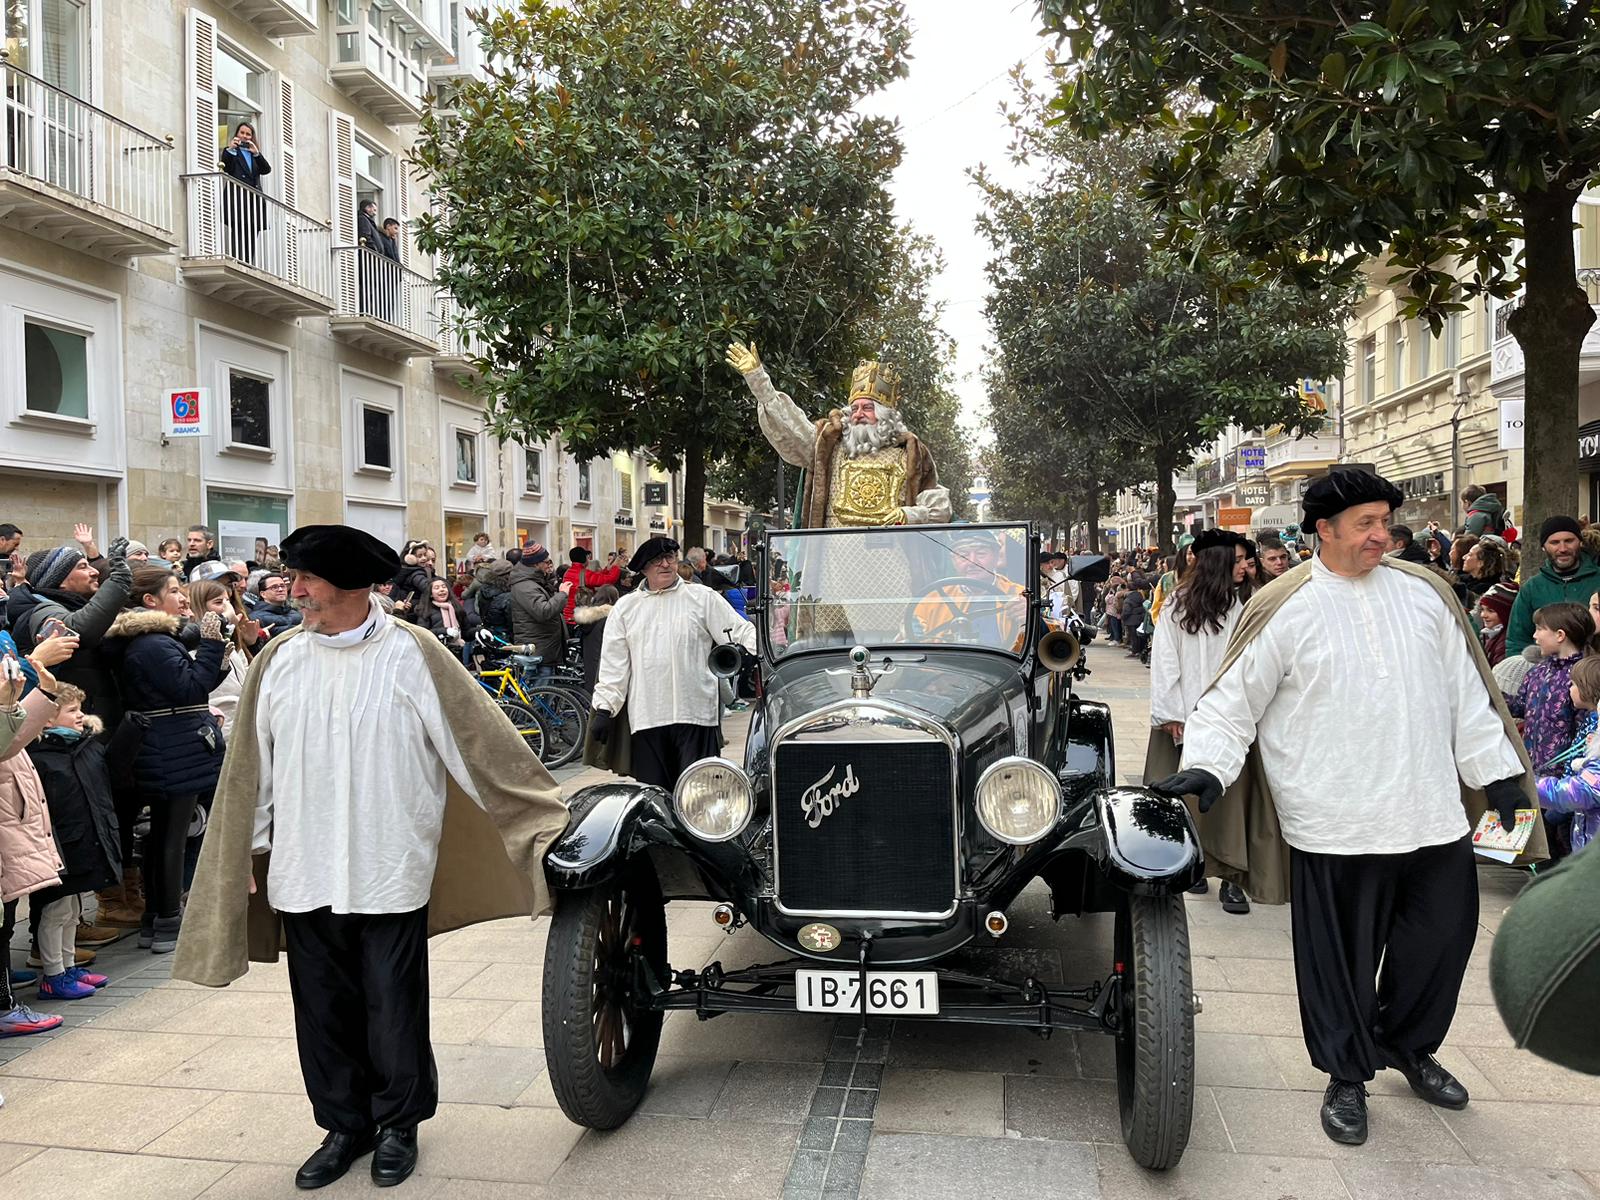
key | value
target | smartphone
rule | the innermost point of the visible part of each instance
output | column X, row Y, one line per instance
column 10, row 668
column 53, row 627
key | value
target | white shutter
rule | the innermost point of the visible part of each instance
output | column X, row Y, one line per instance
column 201, row 86
column 403, row 178
column 342, row 158
column 288, row 186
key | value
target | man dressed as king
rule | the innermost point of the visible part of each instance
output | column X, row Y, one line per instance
column 863, row 467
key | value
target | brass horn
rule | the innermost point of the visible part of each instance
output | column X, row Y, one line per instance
column 725, row 660
column 1059, row 650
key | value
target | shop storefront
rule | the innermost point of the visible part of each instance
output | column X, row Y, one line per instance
column 1427, row 498
column 1589, row 467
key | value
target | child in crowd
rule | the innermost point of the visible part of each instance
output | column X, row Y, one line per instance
column 71, row 765
column 1576, row 790
column 1494, row 610
column 1562, row 631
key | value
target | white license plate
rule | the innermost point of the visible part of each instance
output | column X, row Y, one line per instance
column 892, row 993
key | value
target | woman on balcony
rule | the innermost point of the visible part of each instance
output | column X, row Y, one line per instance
column 244, row 214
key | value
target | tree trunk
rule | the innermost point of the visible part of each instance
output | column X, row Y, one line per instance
column 694, row 496
column 1549, row 326
column 1166, row 499
column 1091, row 516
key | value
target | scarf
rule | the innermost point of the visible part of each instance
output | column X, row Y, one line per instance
column 354, row 637
column 448, row 610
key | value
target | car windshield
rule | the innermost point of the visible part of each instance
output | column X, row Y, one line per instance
column 907, row 585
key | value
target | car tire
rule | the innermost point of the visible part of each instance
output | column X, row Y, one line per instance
column 1155, row 1044
column 599, row 1045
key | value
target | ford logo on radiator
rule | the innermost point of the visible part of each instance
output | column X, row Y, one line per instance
column 819, row 800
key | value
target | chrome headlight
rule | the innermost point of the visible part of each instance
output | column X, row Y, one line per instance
column 713, row 799
column 1018, row 800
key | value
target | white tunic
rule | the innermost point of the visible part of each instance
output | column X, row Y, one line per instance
column 1183, row 664
column 1367, row 705
column 654, row 655
column 354, row 753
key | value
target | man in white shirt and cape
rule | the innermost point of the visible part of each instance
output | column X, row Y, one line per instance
column 1361, row 698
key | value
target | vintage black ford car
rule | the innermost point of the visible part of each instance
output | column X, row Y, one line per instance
column 916, row 758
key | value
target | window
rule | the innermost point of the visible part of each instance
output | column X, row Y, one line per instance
column 532, row 471
column 585, row 485
column 1425, row 340
column 56, row 370
column 241, row 93
column 376, row 452
column 625, row 489
column 372, row 169
column 50, row 38
column 1397, row 356
column 1452, row 339
column 256, row 513
column 466, row 457
column 249, row 410
column 1369, row 370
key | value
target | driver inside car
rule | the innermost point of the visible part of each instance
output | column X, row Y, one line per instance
column 975, row 604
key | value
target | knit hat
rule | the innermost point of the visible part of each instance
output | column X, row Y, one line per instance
column 1499, row 600
column 137, row 548
column 534, row 553
column 48, row 569
column 1555, row 525
column 578, row 554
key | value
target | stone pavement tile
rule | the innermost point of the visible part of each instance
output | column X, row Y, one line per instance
column 951, row 1047
column 1275, row 975
column 126, row 1176
column 261, row 977
column 802, row 1037
column 486, row 1074
column 1594, row 1180
column 514, row 941
column 477, row 1189
column 520, row 1024
column 1206, row 975
column 445, row 975
column 845, row 1169
column 1475, row 987
column 1298, row 1074
column 1479, row 1025
column 12, row 1155
column 97, row 1116
column 1243, row 940
column 231, row 1064
column 1519, row 1133
column 254, row 1181
column 919, row 1166
column 1439, row 1181
column 1085, row 1110
column 1402, row 1129
column 1212, row 1175
column 243, row 1014
column 259, row 1127
column 687, row 1087
column 733, row 1160
column 696, row 949
column 539, row 1094
column 1205, row 914
column 458, row 1021
column 503, row 981
column 1262, row 1013
column 480, row 1141
column 92, row 1055
column 153, row 1009
column 959, row 1103
column 1519, row 1075
column 768, row 1091
column 1220, row 1059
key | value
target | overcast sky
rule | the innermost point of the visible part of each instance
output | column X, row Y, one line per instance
column 949, row 116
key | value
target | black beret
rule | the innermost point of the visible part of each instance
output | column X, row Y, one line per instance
column 651, row 550
column 350, row 559
column 1210, row 539
column 1343, row 488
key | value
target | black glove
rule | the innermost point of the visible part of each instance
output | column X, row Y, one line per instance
column 117, row 551
column 1202, row 785
column 600, row 725
column 1505, row 797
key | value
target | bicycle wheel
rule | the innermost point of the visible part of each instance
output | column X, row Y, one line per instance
column 528, row 725
column 565, row 717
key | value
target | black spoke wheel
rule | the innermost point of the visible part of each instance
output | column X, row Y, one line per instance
column 565, row 717
column 528, row 725
column 599, row 1043
column 1155, row 1041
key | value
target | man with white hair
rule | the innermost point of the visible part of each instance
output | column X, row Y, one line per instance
column 863, row 467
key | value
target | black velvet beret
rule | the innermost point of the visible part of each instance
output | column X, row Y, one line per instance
column 1208, row 539
column 649, row 551
column 350, row 559
column 1342, row 488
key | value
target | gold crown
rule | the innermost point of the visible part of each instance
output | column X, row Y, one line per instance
column 876, row 381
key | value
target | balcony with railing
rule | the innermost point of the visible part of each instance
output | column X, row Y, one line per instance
column 1506, row 366
column 1291, row 456
column 381, row 61
column 252, row 250
column 76, row 175
column 383, row 306
column 459, row 347
column 278, row 18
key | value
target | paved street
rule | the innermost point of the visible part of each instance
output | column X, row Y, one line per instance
column 157, row 1089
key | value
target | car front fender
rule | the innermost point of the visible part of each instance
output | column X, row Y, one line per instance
column 1150, row 844
column 602, row 832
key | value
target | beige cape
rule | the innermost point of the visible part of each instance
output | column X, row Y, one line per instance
column 491, row 859
column 1241, row 835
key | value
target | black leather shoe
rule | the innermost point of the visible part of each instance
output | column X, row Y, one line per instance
column 1344, row 1112
column 396, row 1156
column 332, row 1159
column 1233, row 898
column 1201, row 888
column 1429, row 1080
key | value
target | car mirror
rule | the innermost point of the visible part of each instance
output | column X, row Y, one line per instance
column 1089, row 568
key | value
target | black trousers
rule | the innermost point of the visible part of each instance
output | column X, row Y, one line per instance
column 661, row 754
column 8, row 921
column 1381, row 943
column 360, row 990
column 163, row 852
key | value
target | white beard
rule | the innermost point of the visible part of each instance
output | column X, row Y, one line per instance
column 863, row 439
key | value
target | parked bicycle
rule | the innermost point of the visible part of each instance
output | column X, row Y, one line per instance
column 558, row 704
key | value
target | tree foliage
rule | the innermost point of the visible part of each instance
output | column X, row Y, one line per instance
column 1125, row 342
column 638, row 182
column 1430, row 132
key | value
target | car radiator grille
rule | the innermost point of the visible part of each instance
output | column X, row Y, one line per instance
column 865, row 827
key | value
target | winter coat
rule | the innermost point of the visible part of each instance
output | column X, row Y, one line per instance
column 191, row 561
column 1544, row 703
column 411, row 583
column 431, row 619
column 1547, row 587
column 536, row 608
column 77, row 790
column 1577, row 789
column 1494, row 646
column 29, row 859
column 1132, row 613
column 1485, row 515
column 591, row 622
column 587, row 577
column 275, row 618
column 87, row 616
column 175, row 757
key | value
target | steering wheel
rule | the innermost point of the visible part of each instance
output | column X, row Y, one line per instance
column 952, row 589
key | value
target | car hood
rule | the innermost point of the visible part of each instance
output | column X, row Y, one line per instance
column 968, row 691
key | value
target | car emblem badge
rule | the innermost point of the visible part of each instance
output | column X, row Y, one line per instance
column 819, row 800
column 820, row 937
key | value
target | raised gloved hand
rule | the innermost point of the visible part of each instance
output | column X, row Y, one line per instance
column 743, row 358
column 1202, row 785
column 211, row 628
column 118, row 551
column 1505, row 797
column 600, row 725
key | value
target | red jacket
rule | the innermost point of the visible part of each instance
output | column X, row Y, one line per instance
column 587, row 577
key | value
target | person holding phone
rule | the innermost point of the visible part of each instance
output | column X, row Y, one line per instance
column 244, row 213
